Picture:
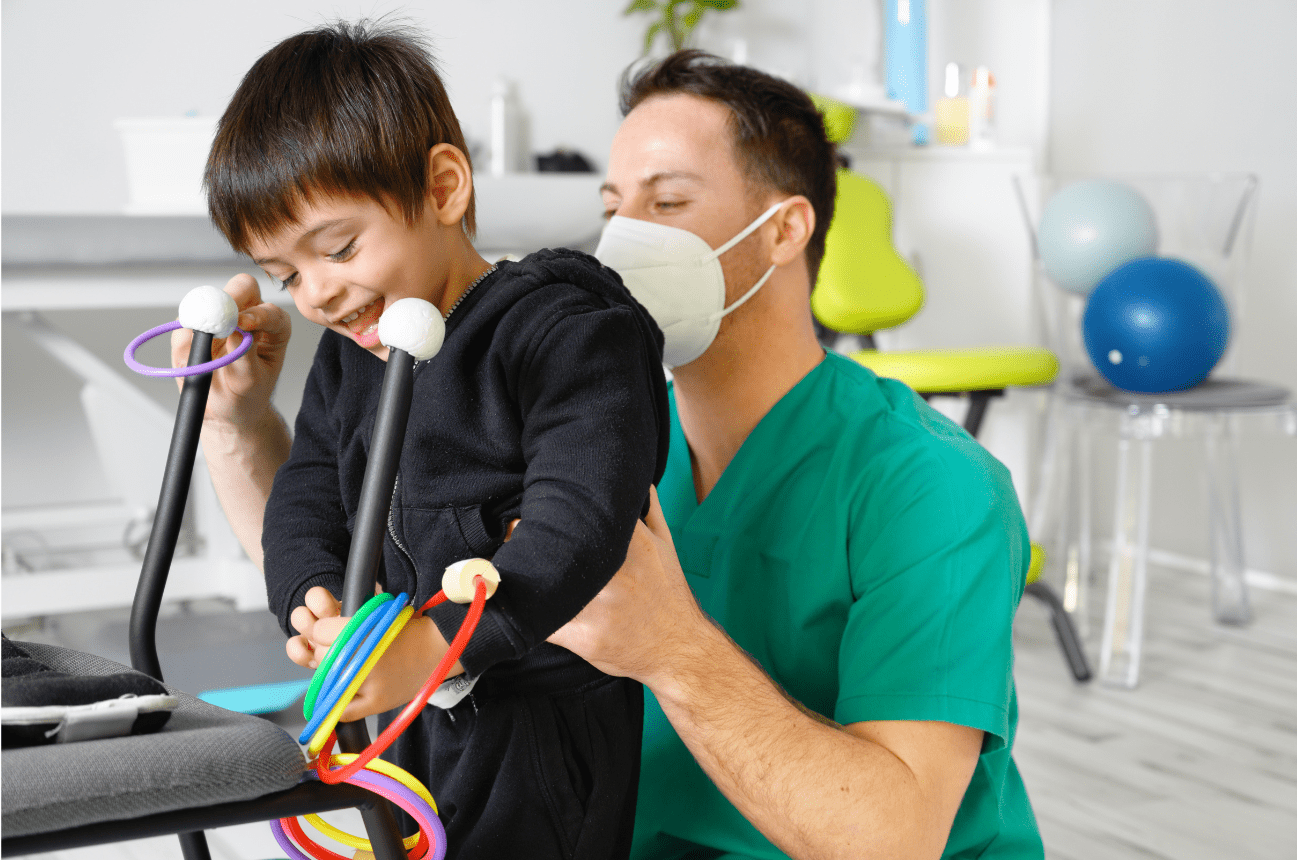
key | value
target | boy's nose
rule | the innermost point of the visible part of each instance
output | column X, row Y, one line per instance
column 321, row 292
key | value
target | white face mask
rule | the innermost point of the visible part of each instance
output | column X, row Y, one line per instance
column 677, row 277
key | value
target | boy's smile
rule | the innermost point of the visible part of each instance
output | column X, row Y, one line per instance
column 346, row 258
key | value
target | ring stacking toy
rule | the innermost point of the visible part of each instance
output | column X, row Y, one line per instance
column 430, row 847
column 351, row 658
column 245, row 344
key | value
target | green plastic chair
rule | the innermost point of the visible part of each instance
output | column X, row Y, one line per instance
column 865, row 286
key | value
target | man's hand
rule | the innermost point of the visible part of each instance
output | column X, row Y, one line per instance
column 240, row 393
column 399, row 674
column 629, row 627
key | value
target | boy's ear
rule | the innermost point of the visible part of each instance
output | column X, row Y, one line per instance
column 450, row 183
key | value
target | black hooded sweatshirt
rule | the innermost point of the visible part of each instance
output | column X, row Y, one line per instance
column 547, row 401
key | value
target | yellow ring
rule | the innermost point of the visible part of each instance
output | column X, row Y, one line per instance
column 326, row 728
column 384, row 767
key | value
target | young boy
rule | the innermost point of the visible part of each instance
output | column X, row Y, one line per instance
column 340, row 168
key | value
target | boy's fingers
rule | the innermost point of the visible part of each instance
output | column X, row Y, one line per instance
column 324, row 631
column 322, row 603
column 299, row 650
column 302, row 619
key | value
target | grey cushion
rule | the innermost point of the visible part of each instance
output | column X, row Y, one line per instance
column 205, row 755
column 1212, row 395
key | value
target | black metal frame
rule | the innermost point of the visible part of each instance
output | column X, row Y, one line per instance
column 362, row 565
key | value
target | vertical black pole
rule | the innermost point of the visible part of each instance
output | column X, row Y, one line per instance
column 171, row 511
column 380, row 477
column 166, row 529
column 366, row 551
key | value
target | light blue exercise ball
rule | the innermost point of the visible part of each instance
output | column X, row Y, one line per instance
column 1091, row 227
column 1155, row 325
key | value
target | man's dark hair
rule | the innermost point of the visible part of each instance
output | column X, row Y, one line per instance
column 778, row 135
column 345, row 109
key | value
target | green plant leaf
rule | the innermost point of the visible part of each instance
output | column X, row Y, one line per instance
column 718, row 5
column 641, row 6
column 653, row 30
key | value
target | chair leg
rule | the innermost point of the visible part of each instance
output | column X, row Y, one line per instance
column 1228, row 583
column 1123, row 623
column 379, row 819
column 194, row 846
column 977, row 403
column 1068, row 639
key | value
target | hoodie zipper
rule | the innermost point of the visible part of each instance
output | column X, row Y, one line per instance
column 391, row 526
column 396, row 484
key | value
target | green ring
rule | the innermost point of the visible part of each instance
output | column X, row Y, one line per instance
column 317, row 680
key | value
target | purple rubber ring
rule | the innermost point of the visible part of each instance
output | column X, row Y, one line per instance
column 394, row 791
column 244, row 345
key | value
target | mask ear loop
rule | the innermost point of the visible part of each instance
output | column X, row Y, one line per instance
column 747, row 231
column 743, row 234
column 743, row 298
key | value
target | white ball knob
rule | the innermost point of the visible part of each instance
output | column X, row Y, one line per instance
column 457, row 581
column 413, row 325
column 209, row 309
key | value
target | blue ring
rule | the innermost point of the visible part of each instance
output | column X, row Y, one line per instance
column 355, row 641
column 349, row 664
column 331, row 694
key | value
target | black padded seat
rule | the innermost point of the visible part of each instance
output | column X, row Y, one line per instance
column 205, row 755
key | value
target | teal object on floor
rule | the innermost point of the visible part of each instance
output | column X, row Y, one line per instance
column 258, row 698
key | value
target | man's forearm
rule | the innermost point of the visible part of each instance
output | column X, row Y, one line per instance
column 811, row 786
column 242, row 462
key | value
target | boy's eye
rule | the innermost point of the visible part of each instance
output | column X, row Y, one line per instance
column 339, row 256
column 286, row 282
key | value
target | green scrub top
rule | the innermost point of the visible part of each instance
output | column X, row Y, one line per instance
column 870, row 555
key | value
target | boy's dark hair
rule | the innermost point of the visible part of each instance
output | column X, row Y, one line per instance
column 778, row 134
column 348, row 108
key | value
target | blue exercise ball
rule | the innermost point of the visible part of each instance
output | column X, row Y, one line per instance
column 1089, row 228
column 1155, row 325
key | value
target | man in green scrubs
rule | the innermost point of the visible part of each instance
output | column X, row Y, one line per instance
column 827, row 644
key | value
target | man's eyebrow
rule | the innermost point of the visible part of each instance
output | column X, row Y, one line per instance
column 654, row 179
column 323, row 225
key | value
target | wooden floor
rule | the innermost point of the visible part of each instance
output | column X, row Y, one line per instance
column 1198, row 763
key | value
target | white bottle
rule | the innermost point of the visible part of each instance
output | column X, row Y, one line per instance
column 505, row 130
column 981, row 109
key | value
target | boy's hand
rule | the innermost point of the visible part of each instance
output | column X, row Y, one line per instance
column 240, row 392
column 399, row 675
column 303, row 649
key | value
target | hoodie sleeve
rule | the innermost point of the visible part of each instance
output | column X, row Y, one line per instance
column 591, row 393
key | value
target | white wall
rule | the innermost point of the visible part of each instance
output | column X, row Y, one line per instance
column 1200, row 85
column 1133, row 85
column 71, row 67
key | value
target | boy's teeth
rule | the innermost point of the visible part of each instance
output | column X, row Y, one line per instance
column 350, row 318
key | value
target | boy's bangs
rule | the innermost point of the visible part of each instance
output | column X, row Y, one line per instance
column 255, row 196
